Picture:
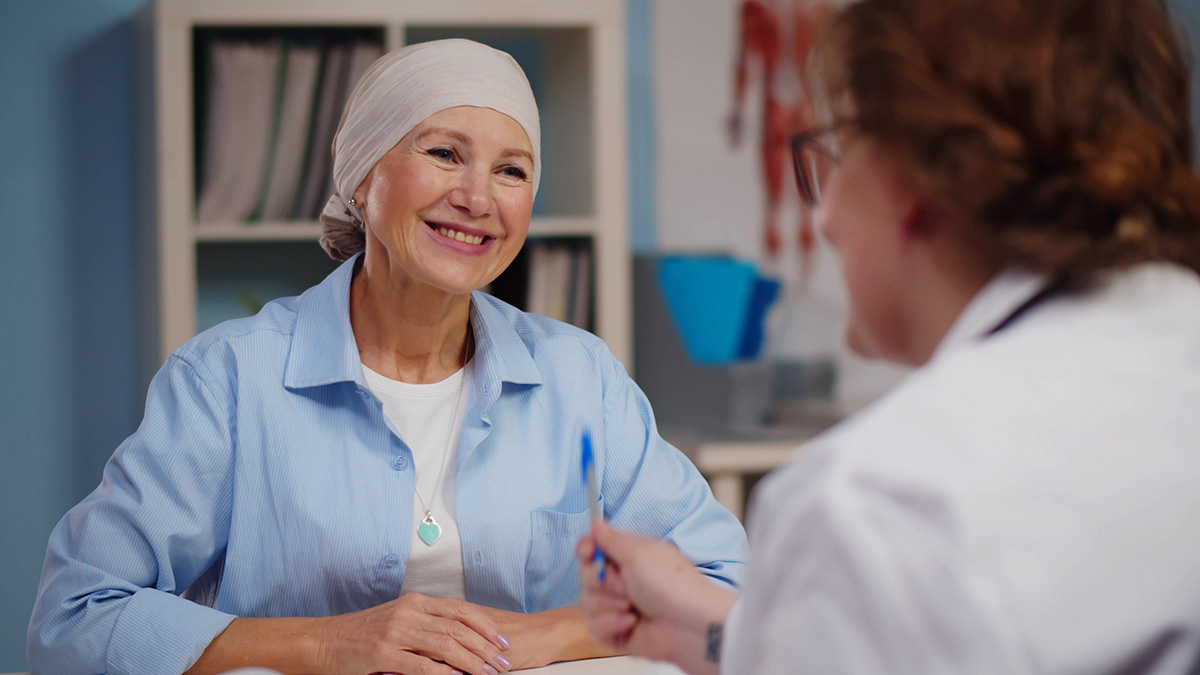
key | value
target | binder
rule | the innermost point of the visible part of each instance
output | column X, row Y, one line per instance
column 293, row 116
column 239, row 127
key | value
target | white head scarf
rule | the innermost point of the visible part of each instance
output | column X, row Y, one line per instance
column 396, row 94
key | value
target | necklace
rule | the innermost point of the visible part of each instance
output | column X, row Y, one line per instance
column 429, row 531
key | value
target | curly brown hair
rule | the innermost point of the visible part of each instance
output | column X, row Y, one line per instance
column 1061, row 127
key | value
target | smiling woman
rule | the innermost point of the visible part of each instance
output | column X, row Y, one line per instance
column 382, row 474
column 449, row 205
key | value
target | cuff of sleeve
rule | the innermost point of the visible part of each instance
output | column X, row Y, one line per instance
column 158, row 632
column 722, row 579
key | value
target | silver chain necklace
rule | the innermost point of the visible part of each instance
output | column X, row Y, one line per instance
column 429, row 531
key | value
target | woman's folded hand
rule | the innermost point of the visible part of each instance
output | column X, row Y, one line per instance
column 408, row 633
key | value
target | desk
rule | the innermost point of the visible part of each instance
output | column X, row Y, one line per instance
column 616, row 665
column 726, row 463
column 727, row 458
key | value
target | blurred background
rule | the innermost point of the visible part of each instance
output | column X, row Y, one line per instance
column 77, row 338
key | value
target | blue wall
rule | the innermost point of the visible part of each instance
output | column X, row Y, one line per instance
column 68, row 257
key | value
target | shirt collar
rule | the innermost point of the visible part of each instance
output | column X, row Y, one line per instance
column 500, row 353
column 323, row 347
column 1006, row 293
column 324, row 350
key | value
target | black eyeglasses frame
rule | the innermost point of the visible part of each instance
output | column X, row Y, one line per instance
column 806, row 141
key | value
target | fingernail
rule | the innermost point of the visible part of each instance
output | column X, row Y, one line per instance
column 487, row 668
column 504, row 662
column 456, row 671
column 503, row 641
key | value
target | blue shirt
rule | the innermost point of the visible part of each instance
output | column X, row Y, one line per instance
column 264, row 463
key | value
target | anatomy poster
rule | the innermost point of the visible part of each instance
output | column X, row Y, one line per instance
column 729, row 95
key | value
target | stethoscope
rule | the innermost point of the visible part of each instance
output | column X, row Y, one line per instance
column 1053, row 288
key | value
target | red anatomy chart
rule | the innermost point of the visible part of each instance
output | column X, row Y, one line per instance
column 776, row 35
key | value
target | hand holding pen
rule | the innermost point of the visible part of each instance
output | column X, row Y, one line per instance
column 654, row 602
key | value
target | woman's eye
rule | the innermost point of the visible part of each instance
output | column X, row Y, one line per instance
column 515, row 172
column 445, row 154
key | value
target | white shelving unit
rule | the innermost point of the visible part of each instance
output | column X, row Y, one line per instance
column 581, row 95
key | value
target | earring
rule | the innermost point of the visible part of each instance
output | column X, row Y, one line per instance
column 352, row 202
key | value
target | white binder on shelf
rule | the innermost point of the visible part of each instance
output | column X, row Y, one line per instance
column 238, row 131
column 294, row 123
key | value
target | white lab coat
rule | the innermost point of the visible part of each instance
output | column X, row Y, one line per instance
column 1027, row 502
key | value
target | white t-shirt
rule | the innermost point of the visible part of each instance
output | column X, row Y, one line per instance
column 1025, row 503
column 429, row 418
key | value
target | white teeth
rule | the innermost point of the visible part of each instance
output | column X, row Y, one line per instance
column 472, row 239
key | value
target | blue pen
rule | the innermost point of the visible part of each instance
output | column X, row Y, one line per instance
column 593, row 493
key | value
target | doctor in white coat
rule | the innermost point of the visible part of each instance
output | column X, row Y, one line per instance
column 1012, row 190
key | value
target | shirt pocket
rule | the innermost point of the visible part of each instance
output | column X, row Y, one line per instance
column 551, row 571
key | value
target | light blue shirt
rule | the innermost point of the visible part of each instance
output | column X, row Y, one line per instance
column 264, row 463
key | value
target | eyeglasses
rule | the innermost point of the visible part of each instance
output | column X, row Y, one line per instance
column 814, row 154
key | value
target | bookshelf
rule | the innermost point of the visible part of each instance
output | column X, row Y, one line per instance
column 198, row 272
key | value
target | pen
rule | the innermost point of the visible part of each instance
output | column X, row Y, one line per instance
column 593, row 493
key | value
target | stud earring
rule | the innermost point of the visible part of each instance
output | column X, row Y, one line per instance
column 352, row 202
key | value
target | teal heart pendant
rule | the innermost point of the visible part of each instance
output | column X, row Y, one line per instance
column 429, row 530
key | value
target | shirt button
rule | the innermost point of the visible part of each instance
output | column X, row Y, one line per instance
column 479, row 557
column 391, row 560
column 399, row 463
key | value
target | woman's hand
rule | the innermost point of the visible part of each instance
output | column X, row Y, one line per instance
column 415, row 634
column 652, row 602
column 527, row 635
column 542, row 638
column 412, row 634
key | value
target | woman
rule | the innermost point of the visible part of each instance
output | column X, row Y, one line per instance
column 383, row 474
column 1011, row 187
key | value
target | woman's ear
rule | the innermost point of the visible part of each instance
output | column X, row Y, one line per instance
column 910, row 199
column 359, row 198
column 927, row 219
column 917, row 224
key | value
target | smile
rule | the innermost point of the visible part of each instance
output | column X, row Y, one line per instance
column 459, row 235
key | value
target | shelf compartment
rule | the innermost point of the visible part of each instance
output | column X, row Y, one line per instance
column 234, row 279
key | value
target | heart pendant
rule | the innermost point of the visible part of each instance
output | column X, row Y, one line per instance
column 429, row 530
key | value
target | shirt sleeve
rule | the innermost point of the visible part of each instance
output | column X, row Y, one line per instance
column 108, row 601
column 855, row 574
column 650, row 487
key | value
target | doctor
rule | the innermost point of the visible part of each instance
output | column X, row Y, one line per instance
column 1012, row 190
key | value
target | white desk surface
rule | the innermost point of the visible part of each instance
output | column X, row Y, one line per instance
column 617, row 665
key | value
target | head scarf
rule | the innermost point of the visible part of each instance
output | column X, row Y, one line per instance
column 396, row 94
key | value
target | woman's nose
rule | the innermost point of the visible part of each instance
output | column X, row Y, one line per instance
column 472, row 194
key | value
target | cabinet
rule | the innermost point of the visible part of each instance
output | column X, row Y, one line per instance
column 200, row 272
